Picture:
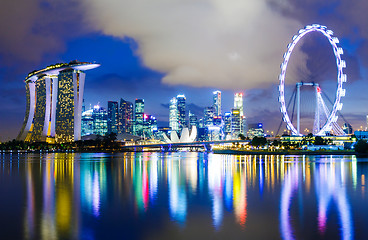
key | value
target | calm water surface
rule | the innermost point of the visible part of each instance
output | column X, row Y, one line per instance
column 182, row 196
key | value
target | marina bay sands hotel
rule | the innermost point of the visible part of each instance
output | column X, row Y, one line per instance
column 54, row 103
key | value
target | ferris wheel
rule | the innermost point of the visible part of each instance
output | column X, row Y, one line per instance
column 325, row 119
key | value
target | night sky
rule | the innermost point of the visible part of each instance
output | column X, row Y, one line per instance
column 157, row 49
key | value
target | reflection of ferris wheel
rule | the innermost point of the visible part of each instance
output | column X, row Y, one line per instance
column 325, row 120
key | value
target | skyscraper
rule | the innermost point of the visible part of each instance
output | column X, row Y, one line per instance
column 99, row 116
column 235, row 123
column 138, row 117
column 112, row 117
column 208, row 116
column 238, row 103
column 177, row 116
column 217, row 103
column 193, row 120
column 227, row 123
column 87, row 123
column 54, row 103
column 181, row 111
column 125, row 117
column 173, row 115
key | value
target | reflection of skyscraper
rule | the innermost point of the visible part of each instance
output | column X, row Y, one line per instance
column 54, row 103
column 138, row 117
column 112, row 117
column 217, row 103
column 126, row 117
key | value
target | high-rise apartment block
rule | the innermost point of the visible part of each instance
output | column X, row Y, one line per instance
column 112, row 117
column 54, row 103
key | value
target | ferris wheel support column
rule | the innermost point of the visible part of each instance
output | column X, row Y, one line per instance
column 298, row 85
column 317, row 107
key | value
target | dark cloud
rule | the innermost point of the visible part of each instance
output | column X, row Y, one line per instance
column 348, row 19
column 31, row 30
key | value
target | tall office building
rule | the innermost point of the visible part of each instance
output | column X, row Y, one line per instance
column 181, row 111
column 126, row 117
column 236, row 126
column 99, row 116
column 238, row 103
column 177, row 116
column 87, row 123
column 217, row 103
column 173, row 115
column 150, row 126
column 112, row 117
column 54, row 103
column 138, row 117
column 227, row 123
column 193, row 120
column 208, row 116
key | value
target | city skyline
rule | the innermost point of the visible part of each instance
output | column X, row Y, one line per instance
column 134, row 66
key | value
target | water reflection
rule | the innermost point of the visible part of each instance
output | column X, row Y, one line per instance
column 69, row 195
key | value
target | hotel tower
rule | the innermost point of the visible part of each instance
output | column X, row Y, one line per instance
column 54, row 103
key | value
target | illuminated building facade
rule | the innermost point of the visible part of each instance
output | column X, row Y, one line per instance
column 150, row 126
column 173, row 115
column 238, row 104
column 112, row 117
column 227, row 123
column 125, row 117
column 177, row 116
column 255, row 130
column 181, row 111
column 236, row 126
column 99, row 116
column 208, row 116
column 138, row 117
column 193, row 120
column 87, row 123
column 54, row 103
column 217, row 103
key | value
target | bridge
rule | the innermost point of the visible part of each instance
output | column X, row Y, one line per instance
column 173, row 147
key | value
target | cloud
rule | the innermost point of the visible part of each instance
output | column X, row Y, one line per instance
column 201, row 43
column 31, row 30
